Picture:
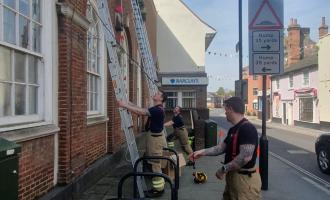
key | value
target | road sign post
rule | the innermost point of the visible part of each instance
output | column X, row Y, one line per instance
column 266, row 57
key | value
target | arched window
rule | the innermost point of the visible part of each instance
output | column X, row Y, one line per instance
column 95, row 62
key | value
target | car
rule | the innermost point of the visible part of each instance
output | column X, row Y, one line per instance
column 322, row 149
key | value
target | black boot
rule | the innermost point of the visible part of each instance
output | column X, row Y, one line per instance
column 153, row 193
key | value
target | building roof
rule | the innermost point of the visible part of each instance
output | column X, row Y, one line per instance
column 308, row 62
column 210, row 32
column 209, row 36
column 324, row 36
column 198, row 16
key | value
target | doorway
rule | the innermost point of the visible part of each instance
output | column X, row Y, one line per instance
column 284, row 114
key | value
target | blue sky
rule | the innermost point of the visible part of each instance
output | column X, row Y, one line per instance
column 223, row 16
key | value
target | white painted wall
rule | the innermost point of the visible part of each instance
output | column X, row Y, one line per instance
column 180, row 38
column 324, row 78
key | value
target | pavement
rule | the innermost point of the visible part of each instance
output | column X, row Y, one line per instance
column 296, row 129
column 285, row 181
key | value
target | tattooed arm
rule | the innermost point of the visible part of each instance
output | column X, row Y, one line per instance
column 245, row 155
column 212, row 151
column 216, row 150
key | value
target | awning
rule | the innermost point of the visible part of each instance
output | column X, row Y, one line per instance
column 255, row 101
column 306, row 91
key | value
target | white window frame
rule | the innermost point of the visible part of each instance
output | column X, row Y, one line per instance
column 255, row 105
column 46, row 76
column 300, row 107
column 291, row 82
column 304, row 82
column 255, row 91
column 180, row 97
column 100, row 111
column 174, row 97
column 277, row 82
column 259, row 104
column 187, row 97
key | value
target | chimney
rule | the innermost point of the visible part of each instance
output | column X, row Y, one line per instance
column 294, row 42
column 291, row 21
column 323, row 29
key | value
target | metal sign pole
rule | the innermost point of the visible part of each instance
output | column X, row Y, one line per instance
column 266, row 57
column 263, row 162
column 240, row 44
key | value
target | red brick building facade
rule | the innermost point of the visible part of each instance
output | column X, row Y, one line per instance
column 78, row 120
column 253, row 106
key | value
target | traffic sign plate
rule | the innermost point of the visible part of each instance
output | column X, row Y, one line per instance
column 267, row 15
column 266, row 41
column 266, row 63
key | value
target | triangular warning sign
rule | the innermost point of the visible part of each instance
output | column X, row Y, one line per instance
column 266, row 18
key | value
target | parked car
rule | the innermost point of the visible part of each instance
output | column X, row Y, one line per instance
column 322, row 149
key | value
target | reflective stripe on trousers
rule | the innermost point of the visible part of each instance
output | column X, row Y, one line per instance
column 158, row 183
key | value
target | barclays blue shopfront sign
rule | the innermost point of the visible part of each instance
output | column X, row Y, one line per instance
column 184, row 81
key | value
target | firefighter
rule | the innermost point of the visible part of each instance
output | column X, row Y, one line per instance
column 240, row 149
column 155, row 138
column 179, row 132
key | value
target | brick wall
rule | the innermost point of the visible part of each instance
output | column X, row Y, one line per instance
column 323, row 29
column 79, row 5
column 95, row 145
column 294, row 42
column 72, row 100
column 36, row 167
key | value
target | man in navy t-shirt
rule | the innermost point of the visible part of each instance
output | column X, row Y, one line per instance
column 155, row 138
column 179, row 131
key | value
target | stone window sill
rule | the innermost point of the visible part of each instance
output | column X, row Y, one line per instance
column 98, row 119
column 30, row 133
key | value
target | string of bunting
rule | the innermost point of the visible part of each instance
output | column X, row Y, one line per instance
column 231, row 55
column 220, row 77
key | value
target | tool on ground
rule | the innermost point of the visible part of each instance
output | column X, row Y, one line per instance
column 200, row 177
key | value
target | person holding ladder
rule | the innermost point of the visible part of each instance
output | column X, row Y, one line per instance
column 179, row 132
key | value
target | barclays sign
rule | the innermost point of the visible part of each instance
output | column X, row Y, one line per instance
column 184, row 81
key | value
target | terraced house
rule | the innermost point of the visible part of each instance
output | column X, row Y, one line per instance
column 295, row 93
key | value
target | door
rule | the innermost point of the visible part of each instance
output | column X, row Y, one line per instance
column 290, row 114
column 284, row 114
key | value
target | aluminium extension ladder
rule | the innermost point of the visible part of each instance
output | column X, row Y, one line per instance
column 117, row 77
